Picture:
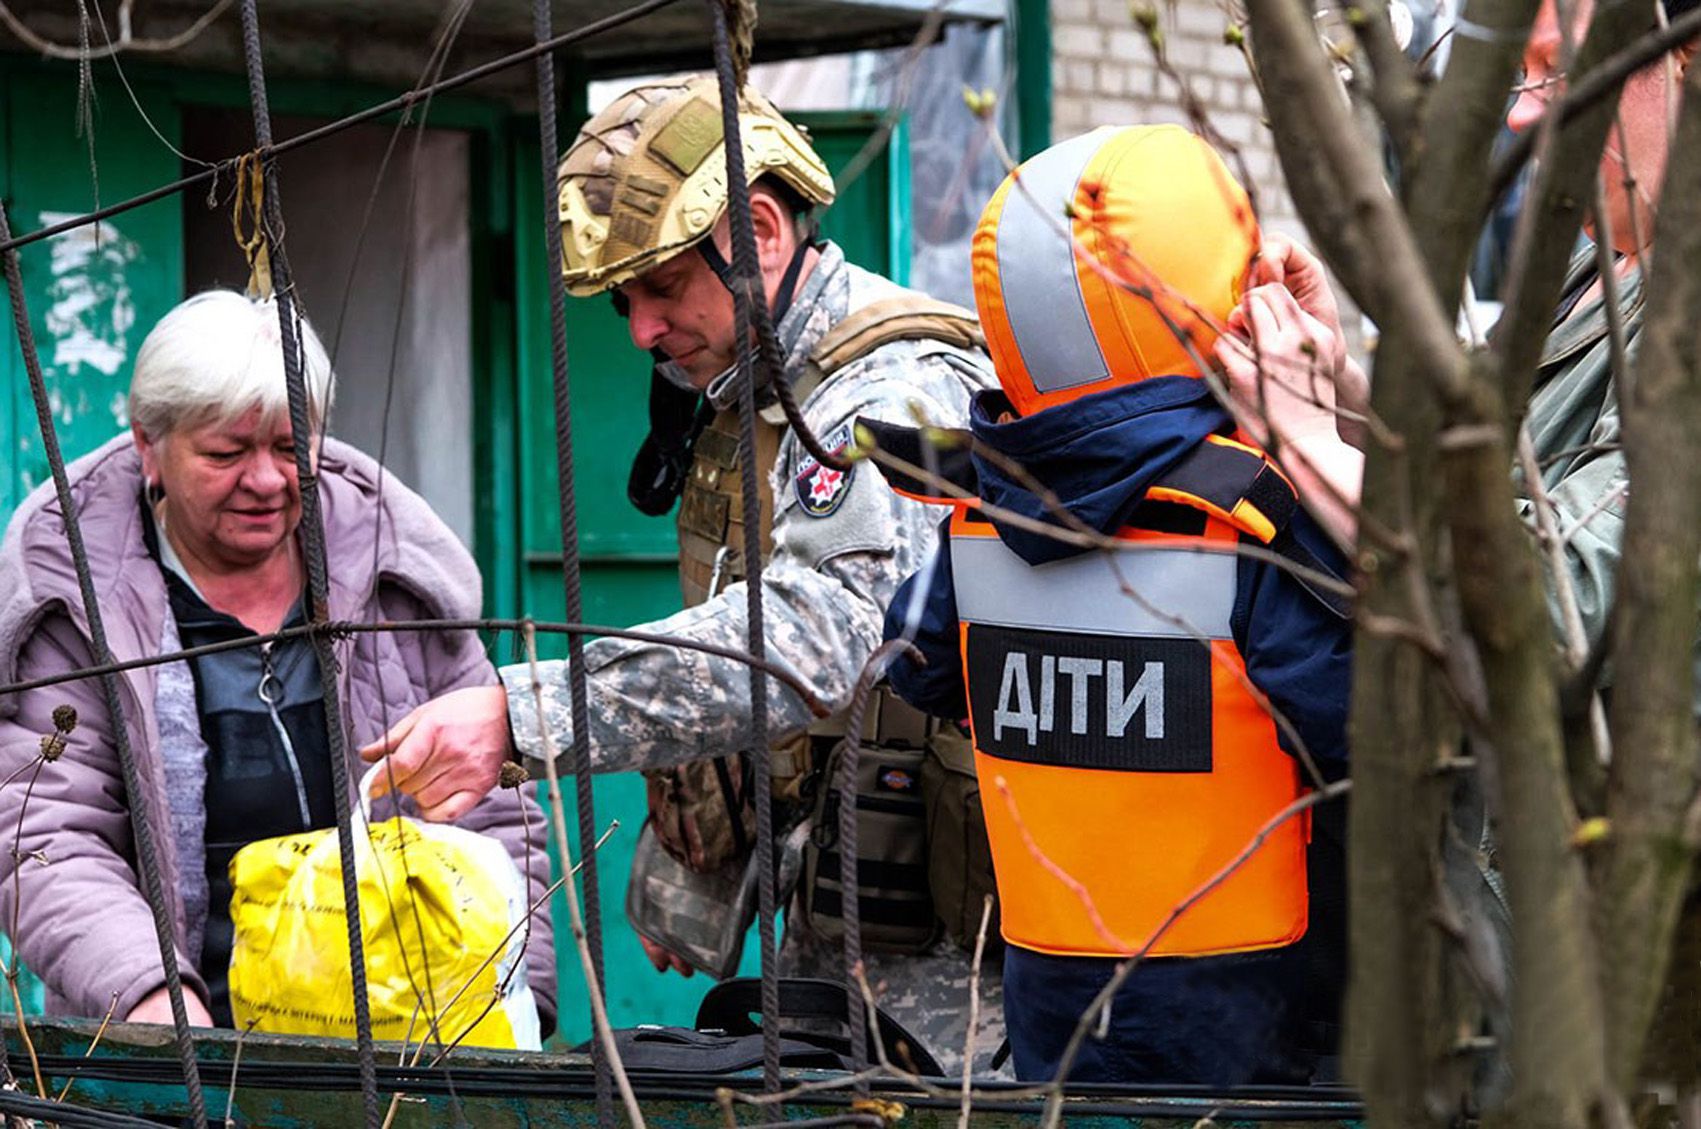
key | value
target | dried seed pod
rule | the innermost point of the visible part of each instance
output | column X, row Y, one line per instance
column 52, row 745
column 512, row 775
column 64, row 718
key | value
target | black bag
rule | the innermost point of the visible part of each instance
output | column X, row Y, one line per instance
column 814, row 1034
column 808, row 1010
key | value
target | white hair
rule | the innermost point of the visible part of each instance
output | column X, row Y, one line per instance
column 216, row 357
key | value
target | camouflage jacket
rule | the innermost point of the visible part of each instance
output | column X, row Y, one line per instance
column 841, row 548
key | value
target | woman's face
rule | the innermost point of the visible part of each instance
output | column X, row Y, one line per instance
column 231, row 494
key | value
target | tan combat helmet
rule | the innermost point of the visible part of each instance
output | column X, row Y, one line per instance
column 645, row 178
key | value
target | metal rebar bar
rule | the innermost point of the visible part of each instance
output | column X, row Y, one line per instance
column 337, row 629
column 749, row 309
column 148, row 861
column 312, row 532
column 850, row 893
column 549, row 147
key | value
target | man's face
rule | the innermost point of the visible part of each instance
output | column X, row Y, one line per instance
column 682, row 308
column 1638, row 142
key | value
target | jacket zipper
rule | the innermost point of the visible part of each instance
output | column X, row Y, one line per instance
column 268, row 692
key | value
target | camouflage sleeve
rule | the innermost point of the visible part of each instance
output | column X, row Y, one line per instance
column 843, row 542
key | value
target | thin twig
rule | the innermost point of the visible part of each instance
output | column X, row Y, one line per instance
column 235, row 1065
column 599, row 1008
column 536, row 906
column 17, row 900
column 1564, row 589
column 1602, row 504
column 125, row 41
column 974, row 1012
column 105, row 1022
column 1096, row 540
column 1068, row 881
column 8, row 242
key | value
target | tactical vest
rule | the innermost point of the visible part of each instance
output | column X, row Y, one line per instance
column 711, row 510
column 702, row 811
column 1116, row 731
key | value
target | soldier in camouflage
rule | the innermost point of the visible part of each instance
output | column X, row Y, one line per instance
column 642, row 203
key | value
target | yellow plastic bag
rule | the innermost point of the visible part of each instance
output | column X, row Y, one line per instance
column 430, row 927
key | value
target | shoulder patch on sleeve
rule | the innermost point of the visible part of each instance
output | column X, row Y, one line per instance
column 820, row 489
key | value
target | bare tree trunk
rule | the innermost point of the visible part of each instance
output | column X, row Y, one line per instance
column 1557, row 1046
column 1652, row 780
column 1673, row 1049
column 1400, row 1031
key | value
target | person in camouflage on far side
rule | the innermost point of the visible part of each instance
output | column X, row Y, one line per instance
column 642, row 200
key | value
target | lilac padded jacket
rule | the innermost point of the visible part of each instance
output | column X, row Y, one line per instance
column 83, row 924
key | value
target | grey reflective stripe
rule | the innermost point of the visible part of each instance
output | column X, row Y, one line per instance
column 1050, row 324
column 1182, row 593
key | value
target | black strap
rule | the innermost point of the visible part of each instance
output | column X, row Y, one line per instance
column 731, row 1005
column 734, row 809
column 788, row 283
column 662, row 463
column 680, row 1050
column 1224, row 476
column 717, row 261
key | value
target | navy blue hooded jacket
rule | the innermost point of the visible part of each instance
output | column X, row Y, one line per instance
column 1099, row 455
column 1222, row 1020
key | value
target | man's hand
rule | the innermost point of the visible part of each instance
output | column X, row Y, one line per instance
column 447, row 754
column 662, row 960
column 155, row 1007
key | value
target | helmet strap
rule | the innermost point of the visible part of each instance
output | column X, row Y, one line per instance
column 718, row 390
column 788, row 283
column 717, row 261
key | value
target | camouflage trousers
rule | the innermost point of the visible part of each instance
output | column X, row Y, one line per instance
column 928, row 993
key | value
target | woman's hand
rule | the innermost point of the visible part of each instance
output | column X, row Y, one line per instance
column 155, row 1007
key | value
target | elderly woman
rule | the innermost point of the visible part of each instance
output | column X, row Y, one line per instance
column 191, row 524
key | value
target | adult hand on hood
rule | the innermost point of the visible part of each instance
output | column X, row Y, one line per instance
column 1284, row 393
column 447, row 754
column 1279, row 371
column 1285, row 263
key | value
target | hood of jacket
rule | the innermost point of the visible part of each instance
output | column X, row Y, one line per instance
column 37, row 574
column 1097, row 455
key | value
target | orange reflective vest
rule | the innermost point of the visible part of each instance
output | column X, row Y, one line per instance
column 1117, row 737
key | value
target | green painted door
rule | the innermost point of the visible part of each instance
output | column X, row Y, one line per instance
column 630, row 560
column 93, row 293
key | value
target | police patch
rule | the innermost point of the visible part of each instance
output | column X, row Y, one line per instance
column 821, row 489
